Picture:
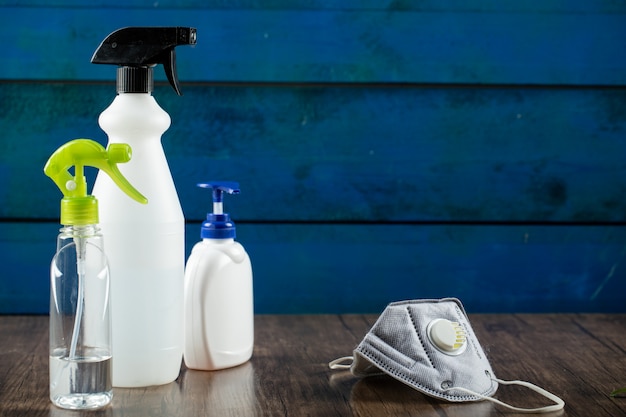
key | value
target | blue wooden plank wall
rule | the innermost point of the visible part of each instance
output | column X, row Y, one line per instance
column 386, row 149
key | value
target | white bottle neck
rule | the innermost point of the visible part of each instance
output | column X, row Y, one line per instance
column 218, row 241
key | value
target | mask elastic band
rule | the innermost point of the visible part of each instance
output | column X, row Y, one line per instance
column 547, row 409
column 338, row 363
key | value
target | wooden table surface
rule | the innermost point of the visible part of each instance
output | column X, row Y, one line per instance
column 579, row 357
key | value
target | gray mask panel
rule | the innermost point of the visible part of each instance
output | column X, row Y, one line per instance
column 431, row 346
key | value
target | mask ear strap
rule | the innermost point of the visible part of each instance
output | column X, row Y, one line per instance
column 547, row 409
column 339, row 363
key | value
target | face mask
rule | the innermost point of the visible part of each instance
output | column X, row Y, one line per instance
column 430, row 346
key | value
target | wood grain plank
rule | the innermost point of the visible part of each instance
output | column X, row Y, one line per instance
column 573, row 356
column 24, row 351
column 570, row 355
column 326, row 268
column 447, row 45
column 328, row 153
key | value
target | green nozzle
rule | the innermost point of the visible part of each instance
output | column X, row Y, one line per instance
column 77, row 207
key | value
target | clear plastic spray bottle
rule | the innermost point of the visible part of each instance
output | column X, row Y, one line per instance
column 80, row 325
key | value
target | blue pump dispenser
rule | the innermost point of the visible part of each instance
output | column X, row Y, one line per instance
column 218, row 224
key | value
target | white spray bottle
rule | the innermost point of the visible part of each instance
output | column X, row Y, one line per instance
column 80, row 326
column 146, row 243
column 219, row 311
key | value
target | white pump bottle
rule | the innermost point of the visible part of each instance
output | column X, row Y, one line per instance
column 145, row 243
column 219, row 312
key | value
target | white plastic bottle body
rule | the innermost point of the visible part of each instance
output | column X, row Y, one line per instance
column 219, row 311
column 145, row 247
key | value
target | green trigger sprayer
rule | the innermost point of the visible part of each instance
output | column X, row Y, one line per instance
column 80, row 326
column 77, row 207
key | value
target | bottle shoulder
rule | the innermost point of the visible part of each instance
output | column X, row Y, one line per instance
column 208, row 249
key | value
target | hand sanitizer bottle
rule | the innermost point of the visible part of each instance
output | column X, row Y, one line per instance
column 146, row 244
column 219, row 311
column 80, row 326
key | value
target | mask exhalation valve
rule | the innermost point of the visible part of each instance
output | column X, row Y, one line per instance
column 447, row 336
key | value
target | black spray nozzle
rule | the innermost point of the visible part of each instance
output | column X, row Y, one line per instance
column 144, row 47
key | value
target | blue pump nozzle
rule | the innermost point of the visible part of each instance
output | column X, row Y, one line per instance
column 218, row 224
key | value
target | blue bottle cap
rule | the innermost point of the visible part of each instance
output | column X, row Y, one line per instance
column 218, row 224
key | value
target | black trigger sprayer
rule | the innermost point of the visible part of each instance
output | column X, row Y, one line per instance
column 136, row 50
